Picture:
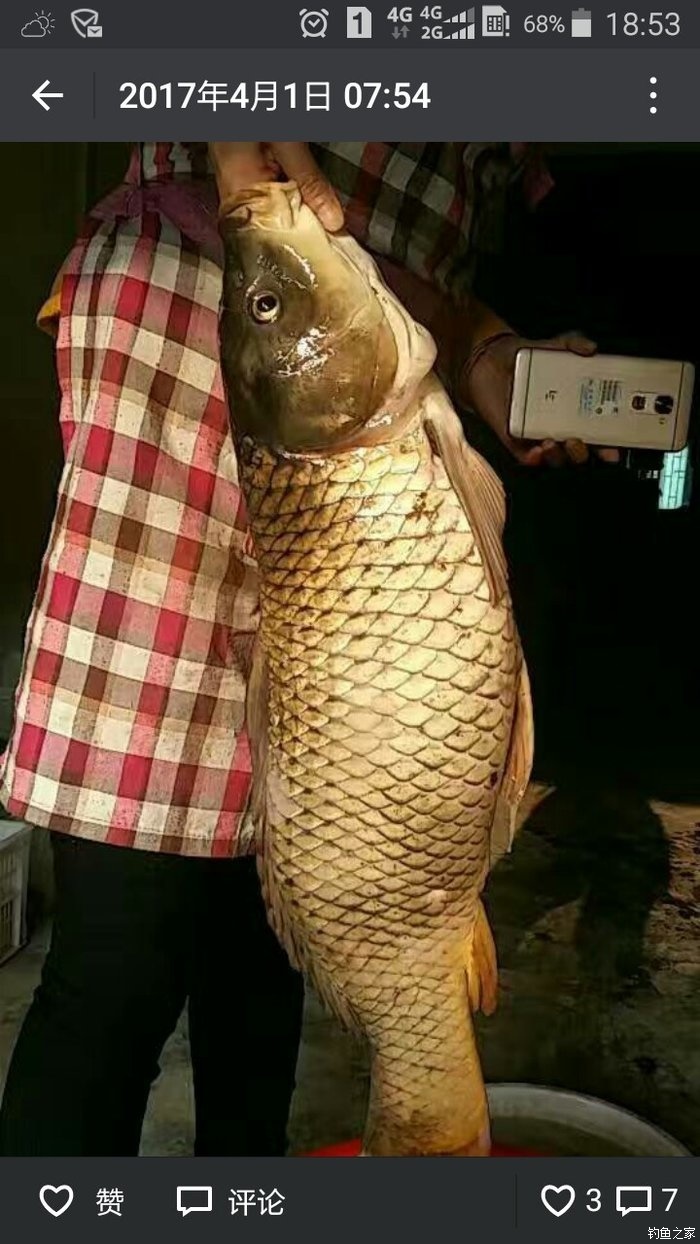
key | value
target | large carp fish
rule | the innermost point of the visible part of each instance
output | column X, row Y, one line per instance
column 388, row 706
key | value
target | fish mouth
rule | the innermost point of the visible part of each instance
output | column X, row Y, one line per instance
column 270, row 205
column 239, row 217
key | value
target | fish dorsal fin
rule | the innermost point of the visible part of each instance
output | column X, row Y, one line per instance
column 477, row 486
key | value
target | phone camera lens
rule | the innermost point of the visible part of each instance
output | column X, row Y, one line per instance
column 663, row 405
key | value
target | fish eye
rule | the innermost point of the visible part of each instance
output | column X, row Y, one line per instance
column 265, row 307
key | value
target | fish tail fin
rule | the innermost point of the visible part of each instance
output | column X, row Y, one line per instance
column 482, row 966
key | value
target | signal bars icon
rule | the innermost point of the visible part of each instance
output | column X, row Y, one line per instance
column 467, row 21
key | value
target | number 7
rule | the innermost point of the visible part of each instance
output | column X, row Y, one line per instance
column 192, row 86
column 673, row 1192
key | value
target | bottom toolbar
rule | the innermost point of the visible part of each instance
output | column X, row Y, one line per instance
column 412, row 1199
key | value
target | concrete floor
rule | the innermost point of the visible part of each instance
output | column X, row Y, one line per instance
column 597, row 919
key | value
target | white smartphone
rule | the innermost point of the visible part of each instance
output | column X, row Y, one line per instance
column 606, row 399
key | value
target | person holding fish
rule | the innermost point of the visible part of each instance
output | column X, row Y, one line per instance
column 131, row 742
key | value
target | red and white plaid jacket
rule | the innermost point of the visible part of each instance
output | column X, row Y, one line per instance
column 129, row 723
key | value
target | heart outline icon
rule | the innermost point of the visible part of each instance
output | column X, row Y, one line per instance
column 56, row 1190
column 552, row 1188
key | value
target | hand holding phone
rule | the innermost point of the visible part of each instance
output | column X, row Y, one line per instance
column 486, row 388
column 635, row 403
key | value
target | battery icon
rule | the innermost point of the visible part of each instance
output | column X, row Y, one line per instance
column 581, row 24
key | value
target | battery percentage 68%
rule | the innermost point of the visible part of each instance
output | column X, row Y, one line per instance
column 540, row 24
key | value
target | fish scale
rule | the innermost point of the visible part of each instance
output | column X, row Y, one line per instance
column 366, row 845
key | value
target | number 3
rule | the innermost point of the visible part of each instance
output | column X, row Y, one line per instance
column 594, row 1200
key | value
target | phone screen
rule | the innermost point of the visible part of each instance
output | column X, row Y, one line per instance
column 348, row 738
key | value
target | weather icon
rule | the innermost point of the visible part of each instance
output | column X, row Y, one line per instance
column 41, row 25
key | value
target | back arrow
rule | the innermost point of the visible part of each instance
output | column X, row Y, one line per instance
column 41, row 95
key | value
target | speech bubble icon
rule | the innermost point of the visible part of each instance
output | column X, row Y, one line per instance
column 192, row 1199
column 632, row 1199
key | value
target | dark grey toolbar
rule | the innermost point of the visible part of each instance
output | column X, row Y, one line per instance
column 592, row 95
column 512, row 1201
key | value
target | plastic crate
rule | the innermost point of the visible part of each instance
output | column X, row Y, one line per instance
column 15, row 841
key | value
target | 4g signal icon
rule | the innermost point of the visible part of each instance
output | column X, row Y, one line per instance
column 466, row 21
column 440, row 26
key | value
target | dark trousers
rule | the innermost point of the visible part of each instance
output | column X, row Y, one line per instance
column 136, row 936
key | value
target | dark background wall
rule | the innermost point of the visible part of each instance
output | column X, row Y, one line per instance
column 606, row 585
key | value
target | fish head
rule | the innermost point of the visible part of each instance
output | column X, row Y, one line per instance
column 317, row 354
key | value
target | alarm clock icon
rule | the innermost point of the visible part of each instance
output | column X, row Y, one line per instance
column 314, row 23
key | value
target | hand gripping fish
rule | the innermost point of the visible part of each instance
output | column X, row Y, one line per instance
column 388, row 707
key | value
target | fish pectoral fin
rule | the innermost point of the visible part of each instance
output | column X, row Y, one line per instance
column 516, row 774
column 482, row 966
column 475, row 483
column 259, row 805
column 257, row 724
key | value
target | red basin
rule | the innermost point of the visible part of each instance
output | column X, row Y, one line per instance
column 351, row 1149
